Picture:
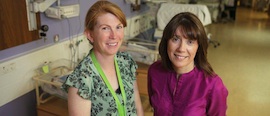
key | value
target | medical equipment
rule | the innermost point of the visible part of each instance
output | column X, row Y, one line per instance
column 58, row 12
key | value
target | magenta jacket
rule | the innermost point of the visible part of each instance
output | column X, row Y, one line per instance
column 195, row 94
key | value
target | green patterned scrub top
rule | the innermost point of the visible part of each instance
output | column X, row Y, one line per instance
column 90, row 85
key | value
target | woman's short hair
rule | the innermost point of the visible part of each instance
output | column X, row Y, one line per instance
column 191, row 28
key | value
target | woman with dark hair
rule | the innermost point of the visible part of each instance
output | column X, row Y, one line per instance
column 183, row 82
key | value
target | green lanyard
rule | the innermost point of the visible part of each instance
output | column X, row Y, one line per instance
column 121, row 108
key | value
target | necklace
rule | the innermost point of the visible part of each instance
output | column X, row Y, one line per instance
column 121, row 108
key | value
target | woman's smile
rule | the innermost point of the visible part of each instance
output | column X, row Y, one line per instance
column 180, row 57
column 113, row 44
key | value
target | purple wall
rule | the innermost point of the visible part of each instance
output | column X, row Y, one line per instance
column 26, row 105
column 22, row 106
column 65, row 28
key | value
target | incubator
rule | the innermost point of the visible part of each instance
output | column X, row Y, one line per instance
column 50, row 77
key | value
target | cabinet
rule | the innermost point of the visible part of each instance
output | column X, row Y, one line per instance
column 143, row 88
column 142, row 78
column 14, row 24
column 53, row 107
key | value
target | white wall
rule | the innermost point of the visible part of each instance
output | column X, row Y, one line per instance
column 19, row 81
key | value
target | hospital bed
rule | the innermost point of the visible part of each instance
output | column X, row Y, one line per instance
column 168, row 10
column 147, row 52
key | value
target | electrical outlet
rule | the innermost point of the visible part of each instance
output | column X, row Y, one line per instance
column 7, row 68
column 56, row 38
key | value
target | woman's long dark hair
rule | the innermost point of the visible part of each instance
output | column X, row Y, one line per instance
column 193, row 29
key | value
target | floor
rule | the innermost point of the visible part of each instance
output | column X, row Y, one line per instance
column 242, row 61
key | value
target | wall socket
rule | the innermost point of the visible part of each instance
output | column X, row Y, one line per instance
column 7, row 68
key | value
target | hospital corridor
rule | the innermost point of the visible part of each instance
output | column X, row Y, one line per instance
column 242, row 61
